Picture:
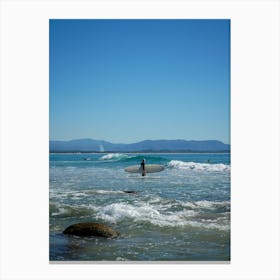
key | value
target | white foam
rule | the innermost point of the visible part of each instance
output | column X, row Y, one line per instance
column 79, row 195
column 118, row 211
column 103, row 192
column 206, row 204
column 114, row 156
column 145, row 212
column 67, row 194
column 177, row 164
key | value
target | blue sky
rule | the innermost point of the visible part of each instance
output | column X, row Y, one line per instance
column 131, row 80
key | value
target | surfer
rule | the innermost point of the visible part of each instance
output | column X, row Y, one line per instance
column 143, row 167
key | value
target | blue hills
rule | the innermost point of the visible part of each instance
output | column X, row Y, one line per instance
column 90, row 145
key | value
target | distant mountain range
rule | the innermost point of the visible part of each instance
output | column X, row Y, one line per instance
column 90, row 145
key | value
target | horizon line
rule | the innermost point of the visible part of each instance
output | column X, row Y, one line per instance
column 137, row 141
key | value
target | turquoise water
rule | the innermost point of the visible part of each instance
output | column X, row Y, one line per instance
column 179, row 214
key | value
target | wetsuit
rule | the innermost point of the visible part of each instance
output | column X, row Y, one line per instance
column 143, row 167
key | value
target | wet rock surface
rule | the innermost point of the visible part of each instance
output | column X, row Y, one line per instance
column 130, row 192
column 91, row 229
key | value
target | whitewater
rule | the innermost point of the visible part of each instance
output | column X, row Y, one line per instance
column 179, row 214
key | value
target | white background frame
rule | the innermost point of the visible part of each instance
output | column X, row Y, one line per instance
column 254, row 137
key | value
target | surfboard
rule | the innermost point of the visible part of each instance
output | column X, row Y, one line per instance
column 149, row 168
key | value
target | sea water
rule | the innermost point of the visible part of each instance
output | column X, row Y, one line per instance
column 179, row 214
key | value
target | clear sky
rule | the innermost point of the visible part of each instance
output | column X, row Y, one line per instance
column 131, row 80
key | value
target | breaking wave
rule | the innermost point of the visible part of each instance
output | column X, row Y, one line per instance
column 131, row 158
column 159, row 215
column 114, row 156
column 177, row 164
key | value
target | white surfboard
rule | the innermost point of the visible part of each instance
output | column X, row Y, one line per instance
column 149, row 168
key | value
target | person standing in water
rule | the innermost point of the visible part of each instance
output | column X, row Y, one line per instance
column 143, row 167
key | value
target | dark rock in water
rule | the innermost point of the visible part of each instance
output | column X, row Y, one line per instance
column 133, row 192
column 91, row 229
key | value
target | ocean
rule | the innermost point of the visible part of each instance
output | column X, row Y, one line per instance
column 179, row 214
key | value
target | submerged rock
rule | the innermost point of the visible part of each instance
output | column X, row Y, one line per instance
column 91, row 229
column 131, row 192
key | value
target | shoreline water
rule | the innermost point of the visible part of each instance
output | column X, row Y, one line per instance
column 140, row 262
column 181, row 214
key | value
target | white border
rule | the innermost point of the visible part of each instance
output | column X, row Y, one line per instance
column 254, row 131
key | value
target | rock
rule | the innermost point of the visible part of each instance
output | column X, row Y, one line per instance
column 132, row 192
column 91, row 229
